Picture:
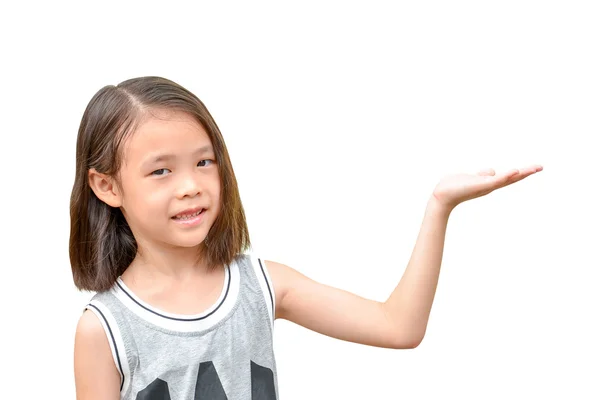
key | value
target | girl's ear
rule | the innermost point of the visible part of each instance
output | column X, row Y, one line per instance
column 105, row 188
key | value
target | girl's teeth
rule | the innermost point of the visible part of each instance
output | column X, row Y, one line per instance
column 190, row 216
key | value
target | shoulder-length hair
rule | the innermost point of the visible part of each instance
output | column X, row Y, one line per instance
column 101, row 244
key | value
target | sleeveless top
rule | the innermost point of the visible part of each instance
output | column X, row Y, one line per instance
column 224, row 353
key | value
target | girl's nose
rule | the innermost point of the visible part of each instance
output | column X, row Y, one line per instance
column 188, row 186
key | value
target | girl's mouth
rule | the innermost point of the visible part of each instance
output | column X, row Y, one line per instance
column 188, row 215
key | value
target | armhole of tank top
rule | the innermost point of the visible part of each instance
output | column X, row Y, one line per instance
column 115, row 340
column 266, row 285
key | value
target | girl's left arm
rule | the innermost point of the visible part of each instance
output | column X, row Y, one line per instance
column 401, row 321
column 398, row 323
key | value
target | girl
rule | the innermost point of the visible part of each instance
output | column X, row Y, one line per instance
column 158, row 231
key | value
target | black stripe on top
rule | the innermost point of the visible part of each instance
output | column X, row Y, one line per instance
column 181, row 319
column 112, row 337
column 268, row 286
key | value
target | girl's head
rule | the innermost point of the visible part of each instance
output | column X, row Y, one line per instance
column 149, row 158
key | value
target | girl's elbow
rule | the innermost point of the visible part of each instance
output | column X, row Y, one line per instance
column 406, row 342
column 407, row 345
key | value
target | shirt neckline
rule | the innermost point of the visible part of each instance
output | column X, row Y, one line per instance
column 181, row 322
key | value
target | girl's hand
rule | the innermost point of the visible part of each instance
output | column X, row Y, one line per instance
column 455, row 189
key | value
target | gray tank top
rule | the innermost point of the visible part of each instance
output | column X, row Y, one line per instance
column 224, row 353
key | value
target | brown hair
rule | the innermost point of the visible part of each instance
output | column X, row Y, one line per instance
column 101, row 244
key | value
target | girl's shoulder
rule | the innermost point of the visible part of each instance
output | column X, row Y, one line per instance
column 95, row 371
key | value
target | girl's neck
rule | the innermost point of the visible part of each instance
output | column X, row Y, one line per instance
column 175, row 264
column 174, row 280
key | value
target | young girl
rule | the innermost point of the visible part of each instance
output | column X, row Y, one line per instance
column 158, row 231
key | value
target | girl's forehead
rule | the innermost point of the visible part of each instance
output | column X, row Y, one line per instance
column 174, row 132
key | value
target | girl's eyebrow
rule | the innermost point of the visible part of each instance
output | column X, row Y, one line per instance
column 156, row 158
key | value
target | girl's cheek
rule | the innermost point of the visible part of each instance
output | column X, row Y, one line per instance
column 157, row 197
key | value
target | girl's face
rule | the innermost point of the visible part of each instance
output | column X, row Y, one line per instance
column 170, row 181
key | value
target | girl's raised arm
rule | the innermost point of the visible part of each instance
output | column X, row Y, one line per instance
column 96, row 375
column 401, row 321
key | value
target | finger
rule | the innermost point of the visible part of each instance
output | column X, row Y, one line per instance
column 532, row 169
column 508, row 175
column 516, row 175
column 501, row 180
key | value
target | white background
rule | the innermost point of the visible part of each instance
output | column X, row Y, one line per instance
column 340, row 118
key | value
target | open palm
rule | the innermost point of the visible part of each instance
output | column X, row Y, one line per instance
column 455, row 189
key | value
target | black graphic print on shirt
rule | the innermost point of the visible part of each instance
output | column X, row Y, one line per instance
column 208, row 385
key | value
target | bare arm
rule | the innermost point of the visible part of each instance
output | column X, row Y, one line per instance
column 96, row 376
column 331, row 311
column 401, row 321
column 398, row 323
column 409, row 305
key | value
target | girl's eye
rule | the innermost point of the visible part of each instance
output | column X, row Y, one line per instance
column 204, row 163
column 160, row 172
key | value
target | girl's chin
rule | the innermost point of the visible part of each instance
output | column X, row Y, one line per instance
column 188, row 241
column 190, row 244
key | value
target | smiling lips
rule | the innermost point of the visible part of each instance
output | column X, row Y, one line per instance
column 189, row 215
